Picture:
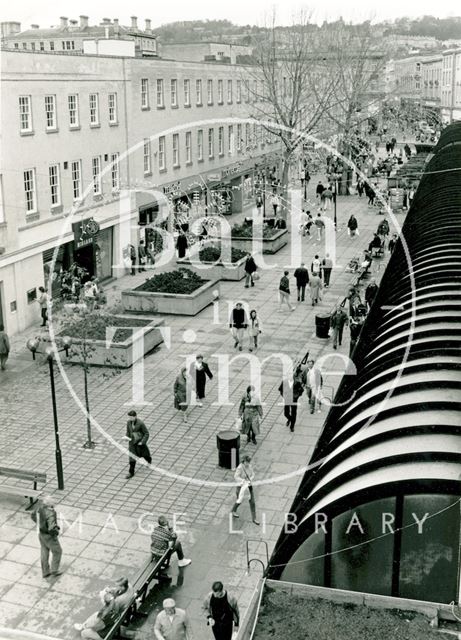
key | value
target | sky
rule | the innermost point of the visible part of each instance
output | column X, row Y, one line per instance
column 47, row 13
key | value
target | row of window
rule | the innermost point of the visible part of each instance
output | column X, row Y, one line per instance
column 67, row 45
column 54, row 181
column 238, row 139
column 73, row 112
column 225, row 92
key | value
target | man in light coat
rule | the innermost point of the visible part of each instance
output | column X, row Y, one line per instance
column 172, row 623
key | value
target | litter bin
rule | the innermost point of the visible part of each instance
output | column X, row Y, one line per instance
column 322, row 325
column 228, row 443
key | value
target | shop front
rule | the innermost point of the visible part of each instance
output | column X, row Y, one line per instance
column 89, row 254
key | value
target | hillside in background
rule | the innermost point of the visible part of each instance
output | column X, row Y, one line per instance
column 224, row 30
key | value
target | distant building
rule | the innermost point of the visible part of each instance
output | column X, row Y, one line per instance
column 431, row 71
column 70, row 36
column 206, row 52
column 408, row 42
column 451, row 85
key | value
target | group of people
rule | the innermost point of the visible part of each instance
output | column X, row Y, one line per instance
column 317, row 278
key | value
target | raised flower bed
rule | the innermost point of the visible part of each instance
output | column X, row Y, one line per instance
column 271, row 241
column 107, row 340
column 207, row 263
column 180, row 292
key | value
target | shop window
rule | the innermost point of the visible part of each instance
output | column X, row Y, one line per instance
column 361, row 556
column 302, row 568
column 31, row 296
column 429, row 561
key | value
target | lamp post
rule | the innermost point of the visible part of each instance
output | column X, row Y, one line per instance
column 49, row 352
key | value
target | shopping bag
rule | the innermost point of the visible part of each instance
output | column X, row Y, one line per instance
column 256, row 276
column 238, row 424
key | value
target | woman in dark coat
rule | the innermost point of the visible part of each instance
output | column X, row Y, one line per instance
column 251, row 412
column 181, row 391
column 199, row 370
column 250, row 268
column 182, row 245
column 352, row 225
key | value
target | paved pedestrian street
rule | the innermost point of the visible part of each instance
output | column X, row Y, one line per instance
column 106, row 518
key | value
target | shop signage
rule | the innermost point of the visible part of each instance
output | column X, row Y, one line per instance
column 213, row 177
column 230, row 171
column 84, row 232
column 173, row 189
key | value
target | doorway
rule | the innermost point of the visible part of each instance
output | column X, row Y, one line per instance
column 84, row 257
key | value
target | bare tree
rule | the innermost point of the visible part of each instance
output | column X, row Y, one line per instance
column 286, row 62
column 354, row 59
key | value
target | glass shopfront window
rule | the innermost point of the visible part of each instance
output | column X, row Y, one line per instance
column 364, row 561
column 103, row 254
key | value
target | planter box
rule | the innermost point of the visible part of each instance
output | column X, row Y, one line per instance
column 222, row 271
column 121, row 354
column 183, row 304
column 269, row 245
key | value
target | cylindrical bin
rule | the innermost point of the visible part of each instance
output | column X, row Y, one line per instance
column 322, row 325
column 228, row 443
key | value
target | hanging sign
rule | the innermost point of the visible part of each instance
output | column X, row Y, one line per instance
column 85, row 232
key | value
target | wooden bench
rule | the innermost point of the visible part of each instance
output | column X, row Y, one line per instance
column 153, row 570
column 32, row 476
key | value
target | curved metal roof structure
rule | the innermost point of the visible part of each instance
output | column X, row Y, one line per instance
column 395, row 427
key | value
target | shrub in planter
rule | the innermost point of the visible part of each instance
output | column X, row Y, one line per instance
column 213, row 254
column 93, row 325
column 246, row 231
column 180, row 281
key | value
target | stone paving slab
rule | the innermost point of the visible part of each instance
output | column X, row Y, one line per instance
column 96, row 488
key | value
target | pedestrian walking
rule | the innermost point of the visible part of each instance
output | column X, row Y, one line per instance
column 43, row 302
column 199, row 371
column 164, row 537
column 99, row 624
column 48, row 531
column 238, row 322
column 352, row 226
column 383, row 229
column 392, row 242
column 320, row 226
column 338, row 321
column 319, row 189
column 360, row 187
column 254, row 329
column 172, row 623
column 370, row 293
column 89, row 295
column 142, row 256
column 291, row 391
column 316, row 265
column 222, row 612
column 301, row 275
column 244, row 475
column 327, row 267
column 411, row 196
column 4, row 347
column 355, row 327
column 133, row 258
column 313, row 382
column 326, row 198
column 315, row 284
column 250, row 269
column 284, row 292
column 250, row 412
column 259, row 202
column 275, row 202
column 137, row 436
column 182, row 245
column 181, row 393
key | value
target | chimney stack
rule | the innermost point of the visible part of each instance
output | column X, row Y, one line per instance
column 106, row 20
column 63, row 21
column 115, row 21
column 134, row 22
column 83, row 22
column 148, row 25
column 34, row 26
column 73, row 23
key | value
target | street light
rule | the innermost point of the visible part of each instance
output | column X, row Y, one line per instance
column 32, row 345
